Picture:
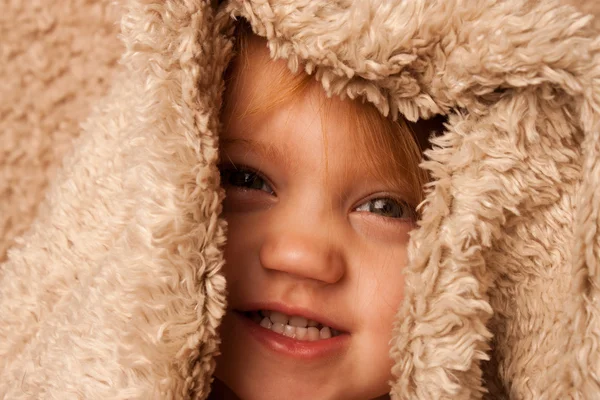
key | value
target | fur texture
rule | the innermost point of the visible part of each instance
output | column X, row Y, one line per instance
column 115, row 290
column 57, row 59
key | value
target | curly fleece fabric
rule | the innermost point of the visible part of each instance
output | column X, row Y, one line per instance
column 57, row 58
column 115, row 290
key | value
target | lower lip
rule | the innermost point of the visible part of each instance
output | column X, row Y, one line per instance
column 291, row 347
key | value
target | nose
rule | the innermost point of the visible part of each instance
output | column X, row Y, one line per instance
column 304, row 256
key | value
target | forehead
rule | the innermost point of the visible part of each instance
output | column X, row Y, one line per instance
column 264, row 93
column 305, row 128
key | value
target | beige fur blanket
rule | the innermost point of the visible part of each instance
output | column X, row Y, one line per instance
column 112, row 288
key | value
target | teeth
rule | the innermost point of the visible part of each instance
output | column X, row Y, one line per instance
column 266, row 323
column 278, row 327
column 298, row 321
column 301, row 333
column 313, row 334
column 278, row 317
column 325, row 333
column 289, row 331
column 294, row 327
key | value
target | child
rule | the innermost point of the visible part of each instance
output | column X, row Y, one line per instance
column 321, row 198
column 128, row 286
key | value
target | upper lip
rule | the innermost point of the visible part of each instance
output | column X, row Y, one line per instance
column 293, row 310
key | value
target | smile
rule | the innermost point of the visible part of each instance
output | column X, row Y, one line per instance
column 292, row 326
column 292, row 331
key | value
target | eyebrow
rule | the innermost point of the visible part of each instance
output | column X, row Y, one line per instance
column 274, row 154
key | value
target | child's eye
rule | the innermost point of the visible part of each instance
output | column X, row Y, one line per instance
column 245, row 178
column 387, row 207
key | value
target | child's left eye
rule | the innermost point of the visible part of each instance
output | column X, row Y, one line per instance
column 387, row 207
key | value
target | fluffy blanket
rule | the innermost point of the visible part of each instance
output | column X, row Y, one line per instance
column 113, row 287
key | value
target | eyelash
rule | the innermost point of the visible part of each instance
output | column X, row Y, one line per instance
column 406, row 211
column 227, row 172
column 251, row 176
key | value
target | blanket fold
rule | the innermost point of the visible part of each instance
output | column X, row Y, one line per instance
column 116, row 291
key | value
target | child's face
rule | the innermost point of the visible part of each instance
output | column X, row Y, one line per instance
column 312, row 234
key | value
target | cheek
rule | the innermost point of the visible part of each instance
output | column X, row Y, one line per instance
column 244, row 237
column 238, row 244
column 378, row 298
column 382, row 290
column 243, row 232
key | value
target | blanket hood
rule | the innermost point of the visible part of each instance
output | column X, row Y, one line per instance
column 116, row 291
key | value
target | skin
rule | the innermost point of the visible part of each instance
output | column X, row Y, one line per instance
column 303, row 230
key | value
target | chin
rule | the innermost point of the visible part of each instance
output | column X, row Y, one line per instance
column 291, row 388
column 273, row 381
column 266, row 386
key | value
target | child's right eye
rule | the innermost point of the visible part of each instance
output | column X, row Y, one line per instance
column 245, row 178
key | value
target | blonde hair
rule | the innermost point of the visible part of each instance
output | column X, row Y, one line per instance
column 391, row 148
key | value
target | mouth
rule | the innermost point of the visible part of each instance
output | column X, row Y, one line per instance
column 293, row 326
column 291, row 331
